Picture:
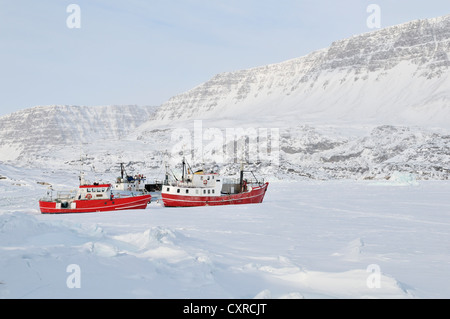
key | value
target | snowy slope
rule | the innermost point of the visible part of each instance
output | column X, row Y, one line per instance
column 397, row 75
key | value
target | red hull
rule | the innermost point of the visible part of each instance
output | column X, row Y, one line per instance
column 97, row 205
column 255, row 196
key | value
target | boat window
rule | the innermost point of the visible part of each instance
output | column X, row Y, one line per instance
column 209, row 191
column 213, row 191
column 196, row 191
column 178, row 190
column 187, row 191
column 218, row 180
column 88, row 190
column 208, row 178
column 168, row 189
column 204, row 191
column 201, row 177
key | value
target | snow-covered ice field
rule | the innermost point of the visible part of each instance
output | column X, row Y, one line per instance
column 308, row 239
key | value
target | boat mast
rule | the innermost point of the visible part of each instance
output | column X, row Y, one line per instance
column 166, row 177
column 82, row 174
column 241, row 178
column 182, row 174
column 122, row 170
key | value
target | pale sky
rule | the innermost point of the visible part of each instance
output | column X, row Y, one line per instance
column 144, row 52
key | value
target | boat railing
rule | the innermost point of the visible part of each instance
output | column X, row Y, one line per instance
column 228, row 180
column 181, row 184
column 65, row 195
column 256, row 181
column 249, row 181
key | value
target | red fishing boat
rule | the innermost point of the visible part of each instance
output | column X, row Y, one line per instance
column 91, row 198
column 211, row 189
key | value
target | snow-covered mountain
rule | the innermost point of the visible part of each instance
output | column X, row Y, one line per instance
column 366, row 107
column 46, row 128
column 397, row 75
